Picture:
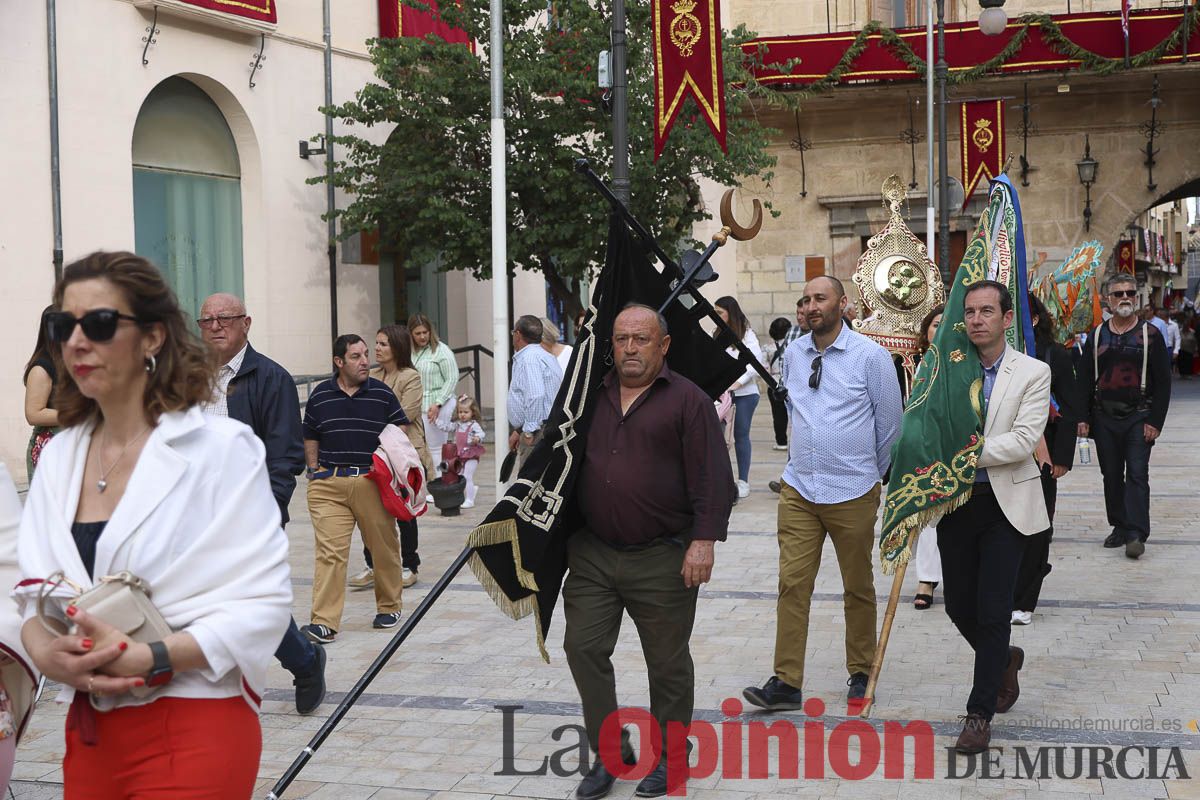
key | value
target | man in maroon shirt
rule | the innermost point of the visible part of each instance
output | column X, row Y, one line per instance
column 655, row 490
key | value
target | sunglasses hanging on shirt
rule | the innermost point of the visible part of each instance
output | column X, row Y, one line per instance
column 814, row 380
column 99, row 325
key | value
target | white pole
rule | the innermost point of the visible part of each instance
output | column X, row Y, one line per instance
column 930, row 224
column 500, row 332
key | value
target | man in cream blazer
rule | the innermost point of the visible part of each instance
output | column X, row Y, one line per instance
column 982, row 542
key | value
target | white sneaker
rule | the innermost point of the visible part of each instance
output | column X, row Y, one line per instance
column 743, row 489
column 363, row 580
column 779, row 447
column 467, row 504
column 408, row 578
column 1022, row 617
column 428, row 498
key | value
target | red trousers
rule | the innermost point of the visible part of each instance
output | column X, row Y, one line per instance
column 171, row 749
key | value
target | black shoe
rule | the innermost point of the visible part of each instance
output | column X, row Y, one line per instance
column 310, row 686
column 388, row 620
column 1115, row 539
column 1134, row 548
column 858, row 686
column 655, row 784
column 775, row 695
column 321, row 634
column 599, row 781
column 775, row 486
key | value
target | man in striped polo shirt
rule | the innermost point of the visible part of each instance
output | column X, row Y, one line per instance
column 342, row 422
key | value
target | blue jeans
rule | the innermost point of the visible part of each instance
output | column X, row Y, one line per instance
column 296, row 653
column 743, row 415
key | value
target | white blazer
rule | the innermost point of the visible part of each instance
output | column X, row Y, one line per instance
column 1017, row 413
column 19, row 675
column 198, row 522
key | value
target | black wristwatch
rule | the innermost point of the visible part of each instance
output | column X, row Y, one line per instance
column 160, row 672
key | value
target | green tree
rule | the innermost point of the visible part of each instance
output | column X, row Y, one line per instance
column 428, row 186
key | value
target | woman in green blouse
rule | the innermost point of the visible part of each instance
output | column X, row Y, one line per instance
column 439, row 376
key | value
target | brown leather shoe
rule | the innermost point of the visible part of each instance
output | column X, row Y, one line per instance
column 975, row 736
column 1010, row 689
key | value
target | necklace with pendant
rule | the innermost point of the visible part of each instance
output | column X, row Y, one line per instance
column 102, row 484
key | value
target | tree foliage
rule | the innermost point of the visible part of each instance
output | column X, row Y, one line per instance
column 428, row 186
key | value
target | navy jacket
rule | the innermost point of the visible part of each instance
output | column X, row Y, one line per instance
column 263, row 396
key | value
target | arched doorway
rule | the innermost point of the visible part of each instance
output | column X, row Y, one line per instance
column 187, row 192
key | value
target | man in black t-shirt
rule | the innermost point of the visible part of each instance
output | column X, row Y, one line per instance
column 1125, row 381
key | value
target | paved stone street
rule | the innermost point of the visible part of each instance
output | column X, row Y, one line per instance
column 1113, row 657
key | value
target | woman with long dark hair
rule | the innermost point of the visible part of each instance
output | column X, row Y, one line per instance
column 39, row 397
column 1055, row 454
column 140, row 482
column 393, row 354
column 928, row 558
column 744, row 389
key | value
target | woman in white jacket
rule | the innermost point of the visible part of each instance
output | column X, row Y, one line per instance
column 18, row 676
column 140, row 480
column 744, row 389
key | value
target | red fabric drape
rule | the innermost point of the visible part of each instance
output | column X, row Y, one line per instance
column 1125, row 257
column 966, row 46
column 397, row 19
column 687, row 62
column 982, row 135
column 260, row 10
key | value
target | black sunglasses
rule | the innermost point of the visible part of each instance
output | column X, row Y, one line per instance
column 814, row 380
column 99, row 325
column 1124, row 293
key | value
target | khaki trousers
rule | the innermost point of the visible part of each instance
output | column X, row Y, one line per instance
column 802, row 529
column 336, row 505
column 602, row 584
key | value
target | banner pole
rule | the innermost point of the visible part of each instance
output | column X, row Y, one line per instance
column 885, row 632
column 376, row 667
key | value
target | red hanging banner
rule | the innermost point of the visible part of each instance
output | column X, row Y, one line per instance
column 259, row 10
column 687, row 61
column 397, row 19
column 982, row 134
column 1125, row 257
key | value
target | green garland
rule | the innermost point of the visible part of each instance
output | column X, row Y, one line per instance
column 1051, row 33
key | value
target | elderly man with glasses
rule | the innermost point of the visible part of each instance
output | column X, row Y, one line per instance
column 1124, row 377
column 844, row 403
column 255, row 390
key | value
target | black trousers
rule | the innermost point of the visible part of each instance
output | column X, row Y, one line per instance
column 1124, row 456
column 981, row 553
column 779, row 418
column 408, row 547
column 1035, row 564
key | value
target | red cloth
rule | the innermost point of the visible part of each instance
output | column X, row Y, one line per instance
column 397, row 19
column 982, row 136
column 171, row 749
column 261, row 10
column 687, row 63
column 966, row 46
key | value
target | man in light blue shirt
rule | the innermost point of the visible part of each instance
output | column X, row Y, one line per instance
column 844, row 404
column 536, row 376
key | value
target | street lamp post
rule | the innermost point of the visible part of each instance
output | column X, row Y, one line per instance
column 620, row 107
column 941, row 71
column 1087, row 176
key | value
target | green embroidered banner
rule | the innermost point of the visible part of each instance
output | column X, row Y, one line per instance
column 935, row 457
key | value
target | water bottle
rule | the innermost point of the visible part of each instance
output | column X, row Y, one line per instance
column 1085, row 450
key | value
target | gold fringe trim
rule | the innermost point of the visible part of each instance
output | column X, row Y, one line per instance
column 494, row 533
column 914, row 523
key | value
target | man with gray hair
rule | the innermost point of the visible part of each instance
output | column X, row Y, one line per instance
column 536, row 376
column 255, row 390
column 1124, row 376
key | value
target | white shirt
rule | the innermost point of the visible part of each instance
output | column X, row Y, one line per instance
column 219, row 405
column 1173, row 340
column 748, row 383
